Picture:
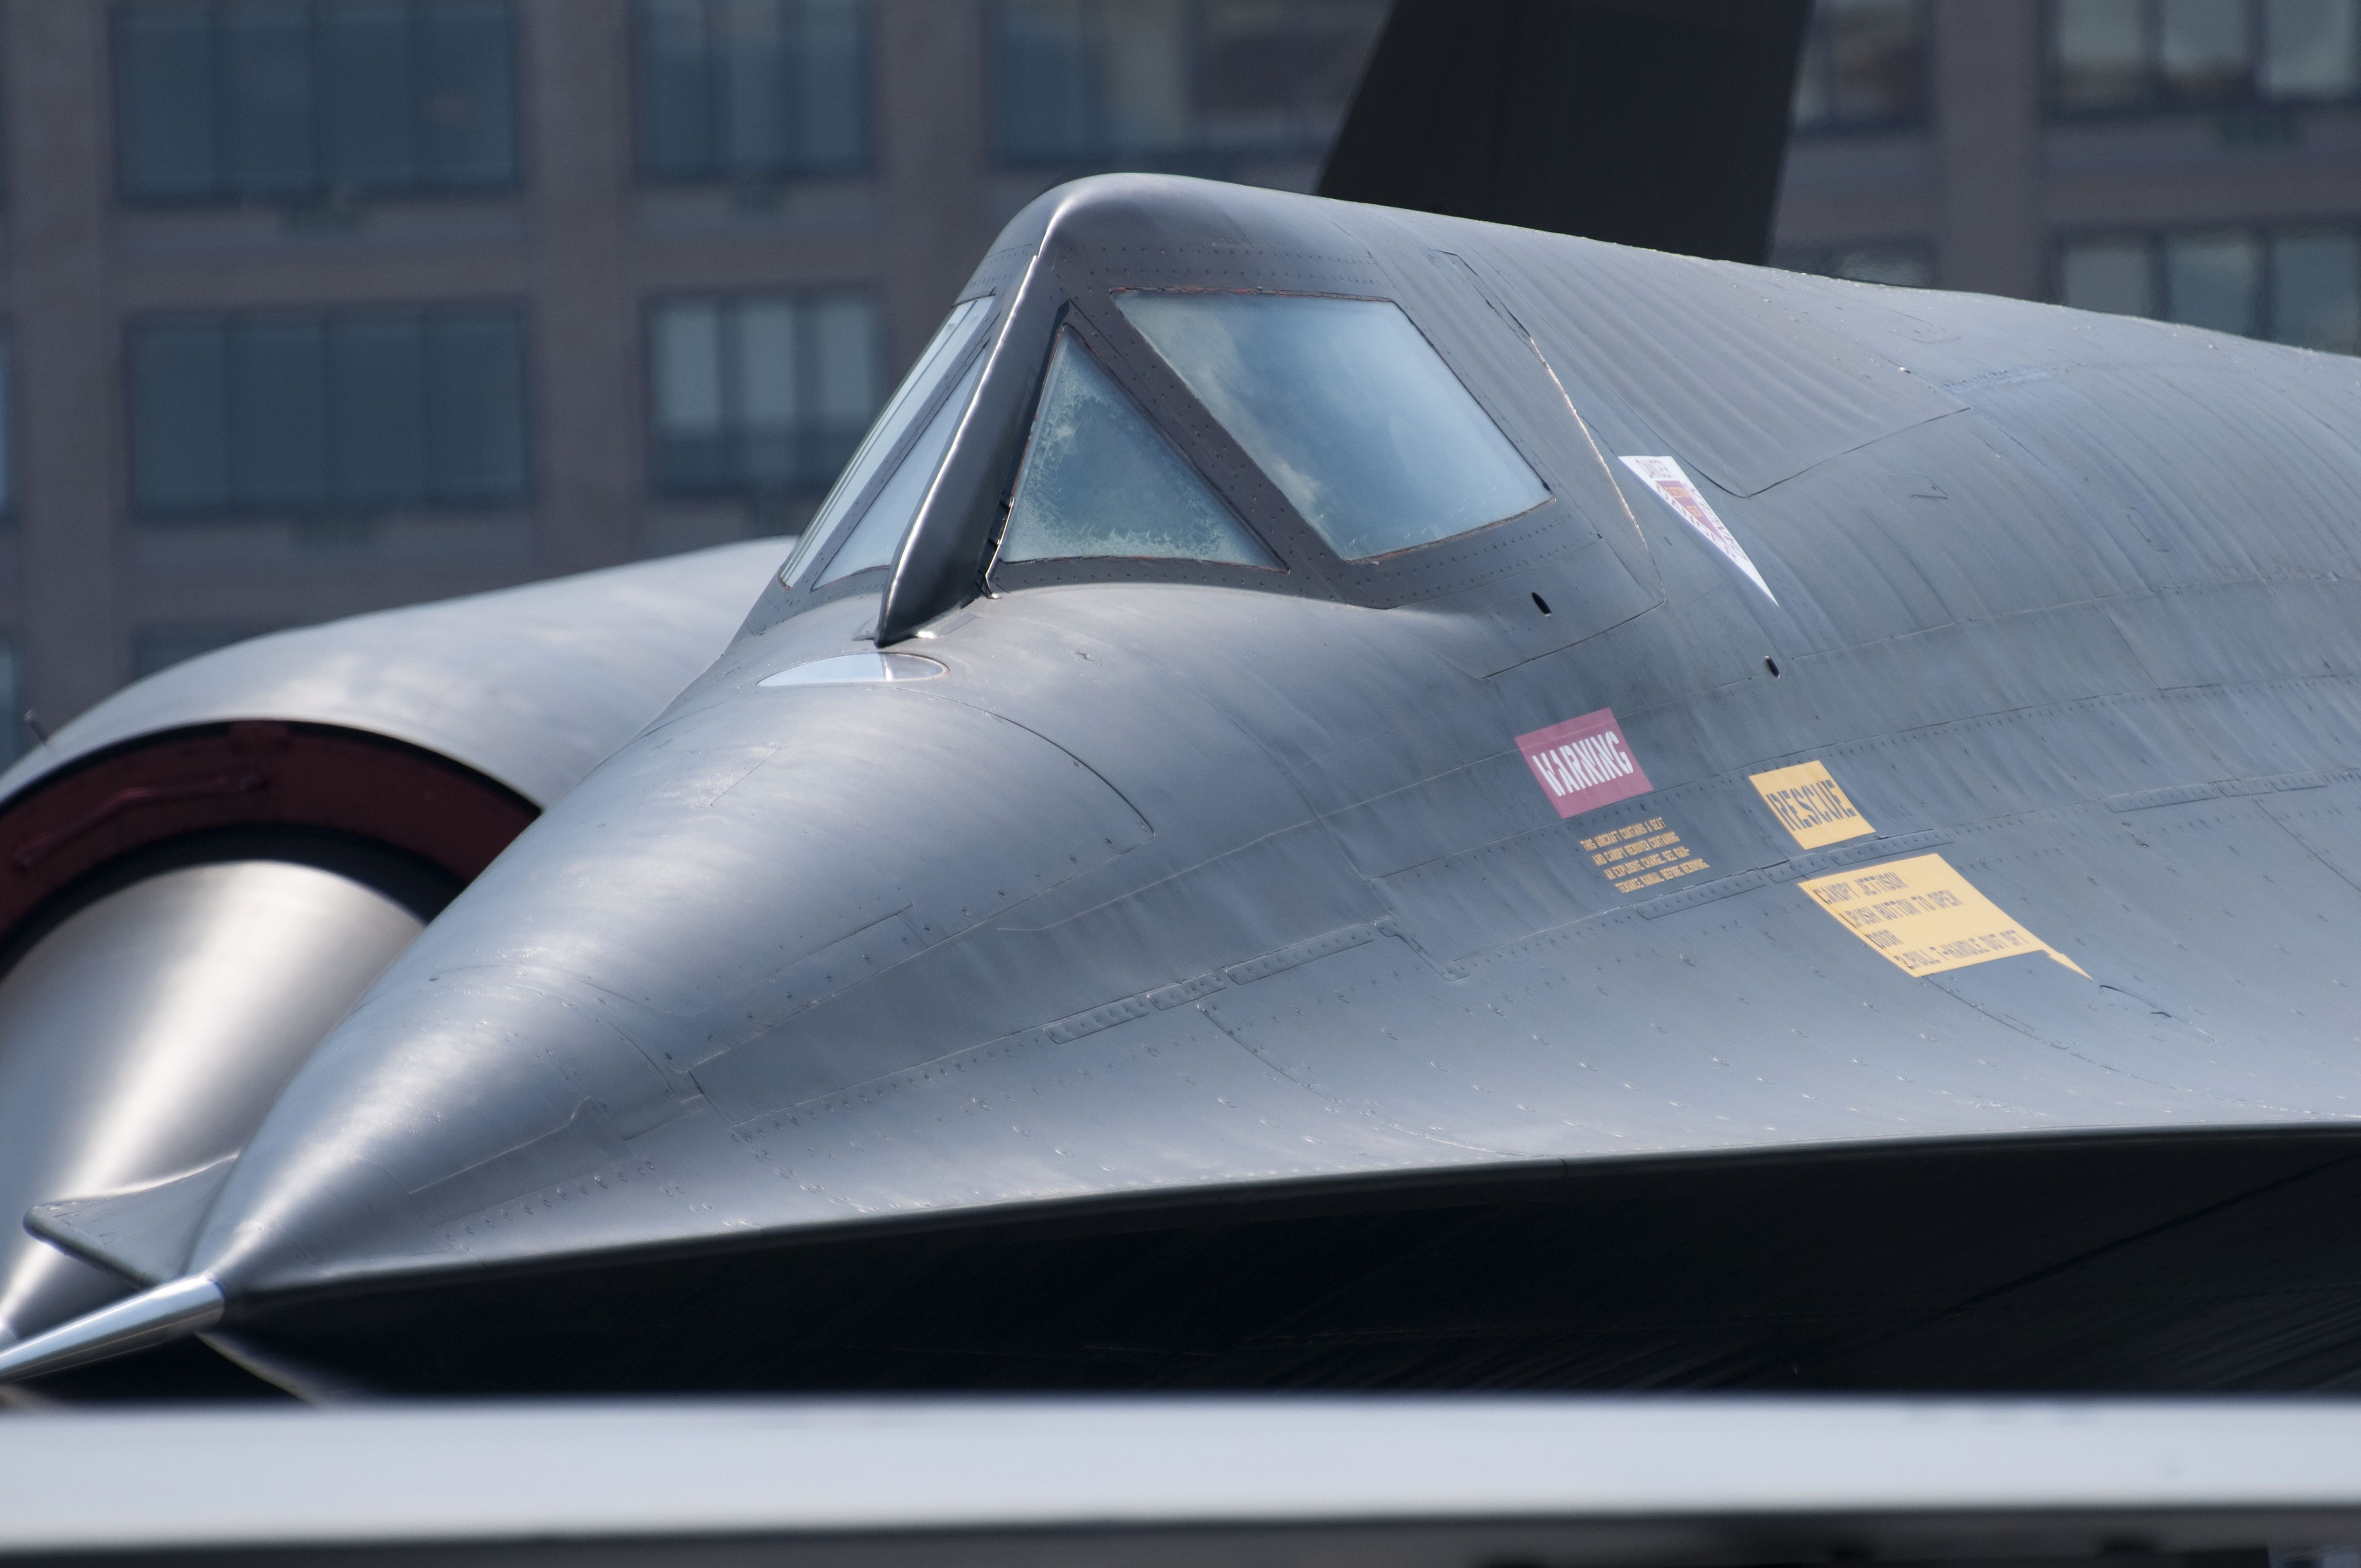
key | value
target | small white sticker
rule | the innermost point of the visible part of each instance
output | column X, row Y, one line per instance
column 1665, row 476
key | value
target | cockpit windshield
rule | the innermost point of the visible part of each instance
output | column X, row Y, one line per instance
column 1099, row 479
column 1347, row 407
column 953, row 344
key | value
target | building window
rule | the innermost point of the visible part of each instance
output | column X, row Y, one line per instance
column 1864, row 66
column 306, row 100
column 753, row 89
column 2298, row 285
column 1906, row 263
column 349, row 412
column 760, row 394
column 2112, row 55
column 1195, row 85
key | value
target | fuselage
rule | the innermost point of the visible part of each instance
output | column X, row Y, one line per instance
column 1888, row 845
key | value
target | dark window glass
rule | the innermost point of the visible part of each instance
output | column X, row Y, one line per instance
column 1864, row 66
column 164, row 68
column 2099, row 52
column 1043, row 107
column 378, row 442
column 2215, row 281
column 278, row 392
column 1203, row 85
column 2120, row 55
column 2205, row 50
column 466, row 100
column 370, row 68
column 354, row 411
column 2116, row 275
column 760, row 394
column 265, row 103
column 179, row 416
column 2311, row 48
column 677, row 132
column 475, row 406
column 2315, row 291
column 753, row 89
column 297, row 100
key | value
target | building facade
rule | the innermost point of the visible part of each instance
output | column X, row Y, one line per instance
column 317, row 306
column 310, row 307
column 2197, row 161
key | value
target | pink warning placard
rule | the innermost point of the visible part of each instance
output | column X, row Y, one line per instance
column 1584, row 763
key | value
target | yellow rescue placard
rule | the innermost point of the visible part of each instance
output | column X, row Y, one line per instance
column 1923, row 915
column 1810, row 804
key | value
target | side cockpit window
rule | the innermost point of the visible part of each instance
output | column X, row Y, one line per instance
column 877, row 537
column 1347, row 407
column 1098, row 479
column 952, row 350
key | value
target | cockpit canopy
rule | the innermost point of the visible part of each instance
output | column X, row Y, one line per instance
column 1080, row 410
column 1347, row 407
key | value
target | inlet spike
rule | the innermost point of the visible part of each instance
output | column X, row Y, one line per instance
column 153, row 1316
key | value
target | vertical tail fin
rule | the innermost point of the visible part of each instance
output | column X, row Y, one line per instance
column 1656, row 123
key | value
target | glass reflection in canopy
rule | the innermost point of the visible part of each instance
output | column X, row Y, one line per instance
column 1347, row 407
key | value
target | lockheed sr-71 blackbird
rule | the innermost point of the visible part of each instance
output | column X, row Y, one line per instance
column 1354, row 799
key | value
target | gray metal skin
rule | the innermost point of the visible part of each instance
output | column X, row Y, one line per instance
column 530, row 686
column 146, row 1036
column 1180, row 891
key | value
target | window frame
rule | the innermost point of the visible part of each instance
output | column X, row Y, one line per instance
column 2156, row 99
column 324, row 189
column 1833, row 126
column 729, row 300
column 720, row 172
column 235, row 508
column 1085, row 303
column 1203, row 154
column 2264, row 304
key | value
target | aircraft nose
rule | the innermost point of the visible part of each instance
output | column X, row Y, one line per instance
column 700, row 934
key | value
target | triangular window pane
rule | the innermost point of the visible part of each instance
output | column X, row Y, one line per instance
column 1100, row 480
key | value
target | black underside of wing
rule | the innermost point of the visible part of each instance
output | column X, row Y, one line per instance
column 2138, row 1263
column 1655, row 123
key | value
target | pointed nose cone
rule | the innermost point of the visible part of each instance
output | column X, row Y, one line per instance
column 745, row 909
